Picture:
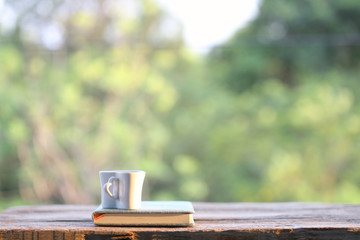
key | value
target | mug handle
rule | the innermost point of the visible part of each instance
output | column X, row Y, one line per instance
column 107, row 186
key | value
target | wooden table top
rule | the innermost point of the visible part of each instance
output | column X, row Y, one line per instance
column 212, row 221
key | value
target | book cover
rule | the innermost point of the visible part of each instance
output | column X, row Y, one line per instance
column 151, row 213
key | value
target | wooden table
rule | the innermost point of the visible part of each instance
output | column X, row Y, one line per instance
column 212, row 221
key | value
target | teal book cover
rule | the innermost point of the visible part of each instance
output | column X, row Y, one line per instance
column 151, row 213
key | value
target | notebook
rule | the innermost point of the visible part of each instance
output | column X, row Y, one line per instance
column 151, row 213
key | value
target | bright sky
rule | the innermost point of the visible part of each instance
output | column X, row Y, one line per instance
column 210, row 22
column 206, row 23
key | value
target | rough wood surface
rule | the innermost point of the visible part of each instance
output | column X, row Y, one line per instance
column 213, row 221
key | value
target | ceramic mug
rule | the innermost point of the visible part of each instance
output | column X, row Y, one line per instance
column 121, row 189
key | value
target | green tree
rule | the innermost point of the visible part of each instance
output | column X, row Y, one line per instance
column 84, row 88
column 279, row 143
column 287, row 39
column 96, row 85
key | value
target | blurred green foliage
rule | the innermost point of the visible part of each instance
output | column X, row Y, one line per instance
column 288, row 40
column 251, row 121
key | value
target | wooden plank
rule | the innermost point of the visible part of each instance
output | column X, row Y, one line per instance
column 213, row 221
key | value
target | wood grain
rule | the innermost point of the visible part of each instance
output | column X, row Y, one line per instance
column 212, row 221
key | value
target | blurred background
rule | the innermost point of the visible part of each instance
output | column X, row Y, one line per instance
column 231, row 101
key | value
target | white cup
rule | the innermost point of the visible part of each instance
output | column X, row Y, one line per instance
column 121, row 189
